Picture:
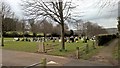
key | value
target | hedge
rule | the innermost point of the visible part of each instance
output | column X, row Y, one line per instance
column 103, row 39
column 16, row 34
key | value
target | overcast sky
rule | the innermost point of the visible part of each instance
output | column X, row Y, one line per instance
column 90, row 10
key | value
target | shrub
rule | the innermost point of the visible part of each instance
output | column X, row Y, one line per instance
column 102, row 39
column 11, row 34
column 55, row 35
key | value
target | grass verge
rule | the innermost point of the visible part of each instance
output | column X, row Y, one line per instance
column 33, row 47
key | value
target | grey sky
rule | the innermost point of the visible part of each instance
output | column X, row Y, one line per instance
column 88, row 9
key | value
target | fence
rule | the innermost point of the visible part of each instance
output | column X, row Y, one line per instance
column 79, row 50
column 84, row 50
column 44, row 49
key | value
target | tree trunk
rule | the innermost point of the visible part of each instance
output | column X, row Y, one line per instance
column 62, row 37
column 62, row 24
column 23, row 30
column 2, row 39
column 44, row 37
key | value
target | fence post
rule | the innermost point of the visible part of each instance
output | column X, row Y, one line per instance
column 77, row 53
column 87, row 48
column 38, row 48
column 43, row 47
column 43, row 62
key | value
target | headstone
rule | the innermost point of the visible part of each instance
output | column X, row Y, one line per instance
column 15, row 38
column 76, row 39
column 60, row 40
column 72, row 38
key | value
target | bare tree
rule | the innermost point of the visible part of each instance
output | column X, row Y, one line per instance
column 93, row 29
column 19, row 26
column 78, row 24
column 57, row 10
column 56, row 29
column 33, row 26
column 6, row 11
column 44, row 27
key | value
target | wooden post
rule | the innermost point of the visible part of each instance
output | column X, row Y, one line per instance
column 38, row 48
column 87, row 48
column 77, row 53
column 43, row 63
column 43, row 47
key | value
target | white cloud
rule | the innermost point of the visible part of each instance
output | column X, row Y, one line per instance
column 106, row 17
column 15, row 5
column 89, row 8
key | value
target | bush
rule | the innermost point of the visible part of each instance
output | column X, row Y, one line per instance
column 103, row 39
column 11, row 34
column 27, row 35
column 55, row 35
column 16, row 34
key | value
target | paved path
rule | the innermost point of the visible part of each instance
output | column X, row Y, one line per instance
column 16, row 58
column 105, row 55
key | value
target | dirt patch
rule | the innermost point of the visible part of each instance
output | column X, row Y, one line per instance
column 105, row 54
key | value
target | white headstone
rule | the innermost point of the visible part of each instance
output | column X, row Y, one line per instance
column 60, row 40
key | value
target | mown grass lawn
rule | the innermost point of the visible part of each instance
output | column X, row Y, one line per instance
column 33, row 47
column 20, row 46
column 6, row 39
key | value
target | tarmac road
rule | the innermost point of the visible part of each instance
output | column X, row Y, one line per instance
column 17, row 58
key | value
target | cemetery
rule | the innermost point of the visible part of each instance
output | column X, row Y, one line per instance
column 60, row 30
column 52, row 46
